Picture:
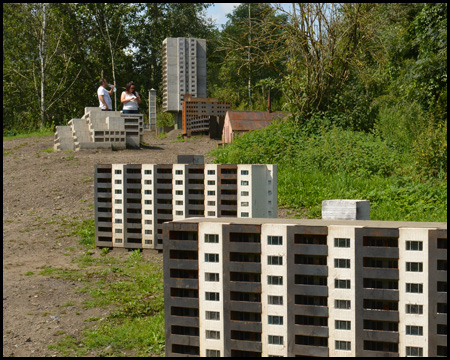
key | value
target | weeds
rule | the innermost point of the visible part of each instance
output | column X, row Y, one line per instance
column 341, row 164
column 12, row 134
column 131, row 287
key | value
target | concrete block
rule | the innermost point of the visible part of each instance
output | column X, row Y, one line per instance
column 343, row 209
column 63, row 139
column 133, row 141
column 101, row 130
column 190, row 159
column 89, row 109
column 115, row 123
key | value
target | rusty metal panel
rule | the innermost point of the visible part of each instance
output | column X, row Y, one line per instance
column 248, row 125
column 242, row 121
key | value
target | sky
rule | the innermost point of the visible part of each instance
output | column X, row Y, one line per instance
column 218, row 12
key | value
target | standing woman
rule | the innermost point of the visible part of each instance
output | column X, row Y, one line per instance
column 130, row 99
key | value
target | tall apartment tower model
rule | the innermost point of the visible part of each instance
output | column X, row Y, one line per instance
column 281, row 287
column 133, row 201
column 184, row 72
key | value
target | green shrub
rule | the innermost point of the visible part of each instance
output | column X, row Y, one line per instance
column 337, row 150
column 430, row 150
column 164, row 119
column 344, row 164
column 399, row 123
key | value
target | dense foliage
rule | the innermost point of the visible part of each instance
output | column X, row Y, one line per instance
column 365, row 84
column 376, row 68
column 366, row 87
column 80, row 43
column 340, row 164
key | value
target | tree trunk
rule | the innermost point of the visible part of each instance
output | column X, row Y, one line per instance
column 112, row 64
column 42, row 60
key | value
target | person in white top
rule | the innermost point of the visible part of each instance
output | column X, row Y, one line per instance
column 104, row 97
column 130, row 99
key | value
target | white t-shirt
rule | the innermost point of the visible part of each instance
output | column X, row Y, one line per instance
column 102, row 91
column 130, row 105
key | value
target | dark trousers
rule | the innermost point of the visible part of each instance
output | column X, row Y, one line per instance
column 130, row 112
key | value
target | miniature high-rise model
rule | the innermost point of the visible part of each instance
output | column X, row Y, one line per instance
column 184, row 72
column 281, row 287
column 132, row 201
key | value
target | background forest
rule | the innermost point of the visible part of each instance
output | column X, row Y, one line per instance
column 365, row 84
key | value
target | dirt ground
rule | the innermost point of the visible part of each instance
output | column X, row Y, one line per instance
column 41, row 191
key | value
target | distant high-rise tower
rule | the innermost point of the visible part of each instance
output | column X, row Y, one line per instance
column 184, row 72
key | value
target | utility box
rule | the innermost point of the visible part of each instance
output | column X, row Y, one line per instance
column 346, row 209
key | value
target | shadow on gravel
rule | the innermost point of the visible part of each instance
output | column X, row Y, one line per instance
column 147, row 147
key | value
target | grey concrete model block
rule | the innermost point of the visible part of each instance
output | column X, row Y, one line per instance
column 343, row 209
column 100, row 130
column 184, row 60
column 89, row 109
column 304, row 287
column 115, row 123
column 190, row 159
column 63, row 139
column 133, row 141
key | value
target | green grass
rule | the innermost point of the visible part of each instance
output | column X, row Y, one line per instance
column 179, row 138
column 391, row 198
column 86, row 231
column 161, row 135
column 11, row 134
column 129, row 286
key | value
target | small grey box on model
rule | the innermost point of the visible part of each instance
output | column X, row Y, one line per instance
column 191, row 159
column 346, row 209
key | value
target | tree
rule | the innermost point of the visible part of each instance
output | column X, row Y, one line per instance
column 250, row 44
column 41, row 64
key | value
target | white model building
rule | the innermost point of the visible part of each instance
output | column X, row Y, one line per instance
column 133, row 201
column 282, row 287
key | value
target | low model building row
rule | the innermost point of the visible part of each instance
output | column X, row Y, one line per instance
column 132, row 201
column 282, row 287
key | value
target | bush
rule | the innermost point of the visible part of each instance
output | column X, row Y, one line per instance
column 399, row 123
column 164, row 119
column 344, row 164
column 349, row 152
column 430, row 149
column 336, row 150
